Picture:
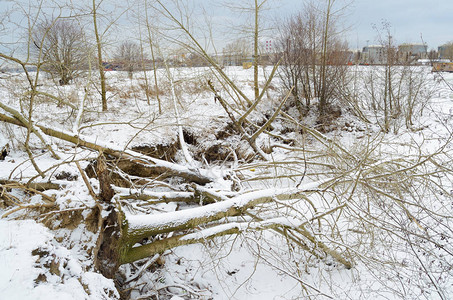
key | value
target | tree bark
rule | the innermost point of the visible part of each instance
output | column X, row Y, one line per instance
column 106, row 192
column 107, row 257
column 110, row 236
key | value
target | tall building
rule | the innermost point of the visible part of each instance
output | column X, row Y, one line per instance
column 408, row 53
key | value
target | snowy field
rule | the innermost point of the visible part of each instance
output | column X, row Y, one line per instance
column 382, row 201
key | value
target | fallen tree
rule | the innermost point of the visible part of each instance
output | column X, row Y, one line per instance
column 143, row 165
column 127, row 237
column 345, row 204
column 370, row 195
column 139, row 227
column 120, row 232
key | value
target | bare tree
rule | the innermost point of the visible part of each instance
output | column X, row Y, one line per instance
column 391, row 109
column 151, row 39
column 129, row 56
column 314, row 56
column 61, row 45
column 102, row 22
column 396, row 93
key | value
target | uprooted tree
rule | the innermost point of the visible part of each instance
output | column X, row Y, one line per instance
column 357, row 186
column 332, row 201
column 132, row 229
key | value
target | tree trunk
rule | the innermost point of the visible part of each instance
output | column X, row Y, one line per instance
column 256, row 53
column 109, row 240
column 100, row 66
column 107, row 259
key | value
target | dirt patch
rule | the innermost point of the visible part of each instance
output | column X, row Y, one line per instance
column 69, row 219
column 214, row 153
column 64, row 175
column 161, row 151
column 189, row 137
column 117, row 179
column 92, row 219
column 225, row 132
column 222, row 152
column 326, row 121
column 165, row 152
column 4, row 150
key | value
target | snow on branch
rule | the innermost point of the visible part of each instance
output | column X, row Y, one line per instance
column 141, row 226
column 159, row 246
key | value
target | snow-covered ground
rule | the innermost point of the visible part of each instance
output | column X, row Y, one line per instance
column 35, row 266
column 55, row 262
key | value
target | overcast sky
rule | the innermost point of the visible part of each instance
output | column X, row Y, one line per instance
column 408, row 18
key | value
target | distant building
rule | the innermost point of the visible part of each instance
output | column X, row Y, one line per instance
column 411, row 53
column 446, row 51
column 373, row 55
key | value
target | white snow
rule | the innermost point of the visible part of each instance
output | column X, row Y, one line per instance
column 21, row 270
column 251, row 265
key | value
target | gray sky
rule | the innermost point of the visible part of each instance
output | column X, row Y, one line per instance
column 408, row 19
